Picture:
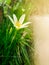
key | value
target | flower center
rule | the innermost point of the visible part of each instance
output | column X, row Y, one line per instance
column 18, row 24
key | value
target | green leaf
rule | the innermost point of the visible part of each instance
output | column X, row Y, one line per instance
column 1, row 1
column 8, row 1
column 25, row 54
column 25, row 43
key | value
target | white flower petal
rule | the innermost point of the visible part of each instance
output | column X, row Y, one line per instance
column 15, row 26
column 25, row 24
column 11, row 19
column 22, row 18
column 15, row 18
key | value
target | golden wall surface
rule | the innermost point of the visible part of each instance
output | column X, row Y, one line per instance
column 40, row 25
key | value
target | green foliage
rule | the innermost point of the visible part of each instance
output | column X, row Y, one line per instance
column 8, row 1
column 14, row 43
column 0, row 0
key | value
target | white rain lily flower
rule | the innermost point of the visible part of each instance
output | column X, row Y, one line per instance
column 19, row 23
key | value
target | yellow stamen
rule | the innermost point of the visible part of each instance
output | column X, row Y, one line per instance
column 18, row 24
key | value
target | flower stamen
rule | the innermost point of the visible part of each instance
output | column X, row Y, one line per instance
column 18, row 24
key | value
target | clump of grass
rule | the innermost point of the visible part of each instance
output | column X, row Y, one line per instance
column 14, row 43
